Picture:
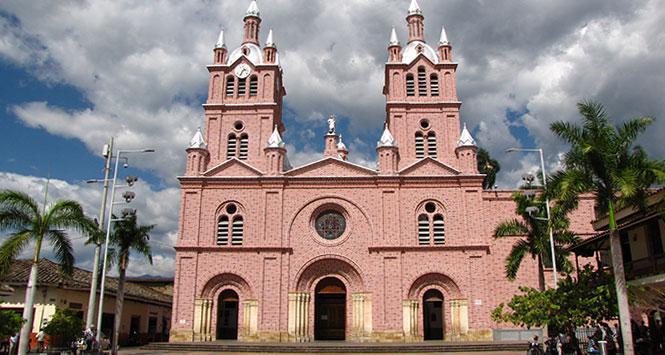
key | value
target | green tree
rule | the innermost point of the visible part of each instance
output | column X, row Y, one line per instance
column 127, row 236
column 488, row 166
column 604, row 160
column 575, row 302
column 64, row 327
column 10, row 323
column 534, row 229
column 22, row 217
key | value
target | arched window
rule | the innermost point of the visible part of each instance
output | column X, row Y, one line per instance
column 230, row 227
column 410, row 86
column 237, row 229
column 223, row 230
column 420, row 146
column 230, row 83
column 422, row 82
column 431, row 144
column 434, row 85
column 431, row 228
column 244, row 149
column 253, row 85
column 242, row 87
column 423, row 230
column 231, row 146
column 439, row 230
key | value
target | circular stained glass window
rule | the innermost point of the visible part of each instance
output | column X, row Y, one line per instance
column 330, row 224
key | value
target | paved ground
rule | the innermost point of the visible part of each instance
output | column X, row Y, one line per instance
column 137, row 351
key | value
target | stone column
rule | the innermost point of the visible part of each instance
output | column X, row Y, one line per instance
column 202, row 317
column 459, row 317
column 410, row 319
column 361, row 312
column 250, row 318
column 298, row 325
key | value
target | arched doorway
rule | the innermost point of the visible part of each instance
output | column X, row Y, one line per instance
column 227, row 315
column 330, row 309
column 433, row 315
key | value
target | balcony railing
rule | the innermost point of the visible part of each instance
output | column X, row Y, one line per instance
column 651, row 265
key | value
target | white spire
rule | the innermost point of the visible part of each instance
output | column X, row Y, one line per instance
column 414, row 8
column 197, row 141
column 444, row 37
column 393, row 38
column 465, row 139
column 220, row 40
column 387, row 139
column 269, row 40
column 253, row 9
column 275, row 140
column 340, row 144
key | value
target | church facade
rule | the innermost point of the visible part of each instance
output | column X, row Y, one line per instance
column 331, row 249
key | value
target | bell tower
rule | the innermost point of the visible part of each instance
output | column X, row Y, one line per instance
column 245, row 95
column 422, row 108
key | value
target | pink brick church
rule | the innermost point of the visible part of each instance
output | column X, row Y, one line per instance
column 331, row 249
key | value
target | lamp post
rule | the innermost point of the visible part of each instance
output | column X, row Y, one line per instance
column 547, row 204
column 128, row 197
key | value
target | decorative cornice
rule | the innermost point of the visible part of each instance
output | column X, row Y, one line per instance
column 234, row 249
column 429, row 248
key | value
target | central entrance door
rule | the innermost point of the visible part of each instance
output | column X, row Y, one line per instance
column 227, row 315
column 433, row 315
column 330, row 310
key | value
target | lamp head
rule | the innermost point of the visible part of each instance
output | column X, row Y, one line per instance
column 131, row 179
column 128, row 196
column 531, row 210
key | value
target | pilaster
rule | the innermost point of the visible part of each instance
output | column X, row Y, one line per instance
column 362, row 316
column 299, row 317
column 410, row 320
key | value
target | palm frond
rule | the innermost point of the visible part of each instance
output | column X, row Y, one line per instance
column 19, row 200
column 12, row 247
column 512, row 227
column 514, row 259
column 62, row 247
column 629, row 131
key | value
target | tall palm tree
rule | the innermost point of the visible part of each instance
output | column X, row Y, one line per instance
column 127, row 236
column 488, row 166
column 536, row 242
column 604, row 160
column 21, row 216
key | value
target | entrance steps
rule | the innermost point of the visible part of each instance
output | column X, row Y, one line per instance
column 340, row 347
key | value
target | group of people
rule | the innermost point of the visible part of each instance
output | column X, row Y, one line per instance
column 10, row 345
column 648, row 340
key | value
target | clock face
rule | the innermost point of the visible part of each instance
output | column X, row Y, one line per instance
column 242, row 71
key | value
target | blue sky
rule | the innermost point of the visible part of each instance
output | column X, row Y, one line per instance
column 73, row 73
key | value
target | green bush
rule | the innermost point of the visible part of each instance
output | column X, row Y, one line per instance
column 64, row 327
column 10, row 323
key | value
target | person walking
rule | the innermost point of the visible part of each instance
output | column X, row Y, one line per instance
column 40, row 341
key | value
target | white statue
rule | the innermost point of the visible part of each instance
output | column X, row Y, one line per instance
column 331, row 124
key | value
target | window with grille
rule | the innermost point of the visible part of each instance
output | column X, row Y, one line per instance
column 230, row 226
column 244, row 141
column 230, row 83
column 422, row 82
column 434, row 85
column 420, row 145
column 410, row 86
column 423, row 230
column 431, row 145
column 231, row 146
column 223, row 230
column 439, row 230
column 253, row 85
column 242, row 87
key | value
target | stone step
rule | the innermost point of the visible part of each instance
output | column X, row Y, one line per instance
column 339, row 347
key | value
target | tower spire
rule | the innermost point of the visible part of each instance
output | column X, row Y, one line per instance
column 415, row 19
column 269, row 41
column 253, row 9
column 443, row 40
column 252, row 24
column 220, row 40
column 414, row 8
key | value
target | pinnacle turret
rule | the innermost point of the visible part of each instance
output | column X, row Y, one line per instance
column 197, row 140
column 275, row 140
column 220, row 40
column 269, row 41
column 253, row 9
column 465, row 139
column 414, row 9
column 387, row 139
column 443, row 40
column 393, row 38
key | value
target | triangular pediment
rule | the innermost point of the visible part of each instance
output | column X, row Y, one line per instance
column 331, row 167
column 233, row 167
column 418, row 61
column 429, row 167
column 242, row 59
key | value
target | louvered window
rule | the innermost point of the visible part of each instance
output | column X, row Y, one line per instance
column 410, row 86
column 434, row 85
column 244, row 149
column 231, row 146
column 253, row 85
column 439, row 230
column 423, row 230
column 422, row 82
column 237, row 229
column 242, row 87
column 420, row 146
column 223, row 231
column 431, row 145
column 230, row 82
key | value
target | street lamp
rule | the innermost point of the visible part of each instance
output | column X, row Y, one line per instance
column 127, row 196
column 547, row 204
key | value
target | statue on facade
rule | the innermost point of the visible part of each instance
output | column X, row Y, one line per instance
column 331, row 124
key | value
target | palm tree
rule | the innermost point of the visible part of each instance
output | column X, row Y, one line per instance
column 488, row 166
column 22, row 217
column 604, row 160
column 127, row 236
column 534, row 227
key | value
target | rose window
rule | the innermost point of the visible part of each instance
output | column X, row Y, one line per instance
column 330, row 224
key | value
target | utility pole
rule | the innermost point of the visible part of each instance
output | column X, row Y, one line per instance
column 90, row 318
